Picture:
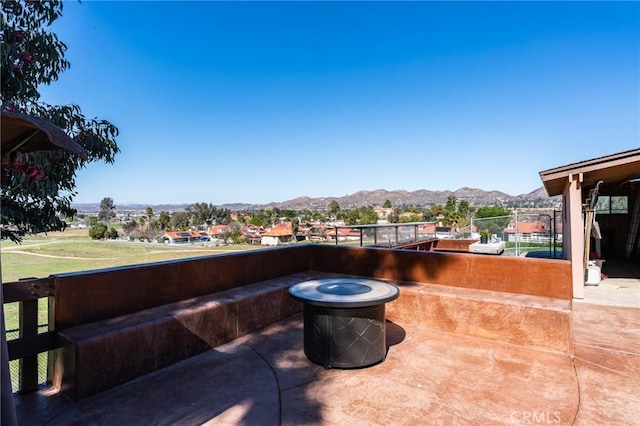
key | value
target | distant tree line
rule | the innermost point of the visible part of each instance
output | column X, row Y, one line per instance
column 200, row 216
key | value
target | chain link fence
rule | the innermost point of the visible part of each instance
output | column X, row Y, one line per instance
column 14, row 366
column 530, row 234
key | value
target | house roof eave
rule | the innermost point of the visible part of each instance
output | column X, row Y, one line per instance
column 612, row 169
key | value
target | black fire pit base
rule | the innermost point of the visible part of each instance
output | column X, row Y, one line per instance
column 345, row 337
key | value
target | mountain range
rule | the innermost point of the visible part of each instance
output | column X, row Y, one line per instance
column 474, row 196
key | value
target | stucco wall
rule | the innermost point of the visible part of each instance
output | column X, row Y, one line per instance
column 96, row 295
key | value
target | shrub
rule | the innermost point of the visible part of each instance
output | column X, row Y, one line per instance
column 113, row 233
column 98, row 231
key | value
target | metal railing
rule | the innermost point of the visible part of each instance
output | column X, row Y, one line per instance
column 523, row 232
column 383, row 235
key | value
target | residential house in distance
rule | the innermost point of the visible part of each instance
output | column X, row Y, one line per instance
column 332, row 233
column 313, row 231
column 278, row 235
column 218, row 231
column 383, row 213
column 253, row 234
column 536, row 232
column 182, row 237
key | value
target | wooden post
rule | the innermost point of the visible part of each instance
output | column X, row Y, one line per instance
column 28, row 319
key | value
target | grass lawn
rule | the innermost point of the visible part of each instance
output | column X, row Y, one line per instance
column 73, row 250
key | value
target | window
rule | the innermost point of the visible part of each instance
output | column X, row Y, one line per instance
column 619, row 205
column 612, row 204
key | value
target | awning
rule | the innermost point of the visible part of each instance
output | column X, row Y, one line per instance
column 24, row 133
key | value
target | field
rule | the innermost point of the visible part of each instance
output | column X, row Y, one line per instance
column 72, row 250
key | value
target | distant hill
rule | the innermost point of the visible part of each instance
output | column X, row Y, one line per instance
column 420, row 197
column 378, row 197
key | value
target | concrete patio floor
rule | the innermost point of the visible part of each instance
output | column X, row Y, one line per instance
column 428, row 377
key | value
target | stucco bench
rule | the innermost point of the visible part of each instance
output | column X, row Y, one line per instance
column 103, row 354
column 539, row 322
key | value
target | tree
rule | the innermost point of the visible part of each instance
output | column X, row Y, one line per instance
column 130, row 227
column 107, row 210
column 40, row 186
column 387, row 204
column 352, row 216
column 495, row 219
column 143, row 222
column 368, row 216
column 149, row 212
column 333, row 208
column 207, row 214
column 164, row 220
column 463, row 207
column 428, row 214
column 450, row 211
column 295, row 224
column 414, row 217
column 235, row 233
column 112, row 233
column 258, row 218
column 98, row 231
column 180, row 220
column 394, row 216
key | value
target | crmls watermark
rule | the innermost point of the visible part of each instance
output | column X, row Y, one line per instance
column 535, row 417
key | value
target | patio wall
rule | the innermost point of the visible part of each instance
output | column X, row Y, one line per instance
column 90, row 296
column 86, row 297
column 143, row 313
column 536, row 277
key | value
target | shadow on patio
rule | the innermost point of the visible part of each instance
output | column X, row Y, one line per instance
column 428, row 377
column 513, row 352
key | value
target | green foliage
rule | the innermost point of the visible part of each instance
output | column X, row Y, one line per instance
column 428, row 215
column 30, row 55
column 129, row 226
column 463, row 207
column 387, row 204
column 180, row 220
column 411, row 218
column 289, row 214
column 333, row 208
column 494, row 218
column 437, row 209
column 98, row 231
column 259, row 218
column 38, row 188
column 107, row 210
column 351, row 216
column 237, row 237
column 113, row 233
column 368, row 216
column 450, row 207
column 208, row 214
column 394, row 216
column 164, row 220
column 491, row 211
column 361, row 216
column 318, row 216
column 456, row 213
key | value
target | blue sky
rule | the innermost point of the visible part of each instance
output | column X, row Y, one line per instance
column 225, row 102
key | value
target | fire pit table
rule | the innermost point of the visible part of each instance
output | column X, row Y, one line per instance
column 344, row 320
